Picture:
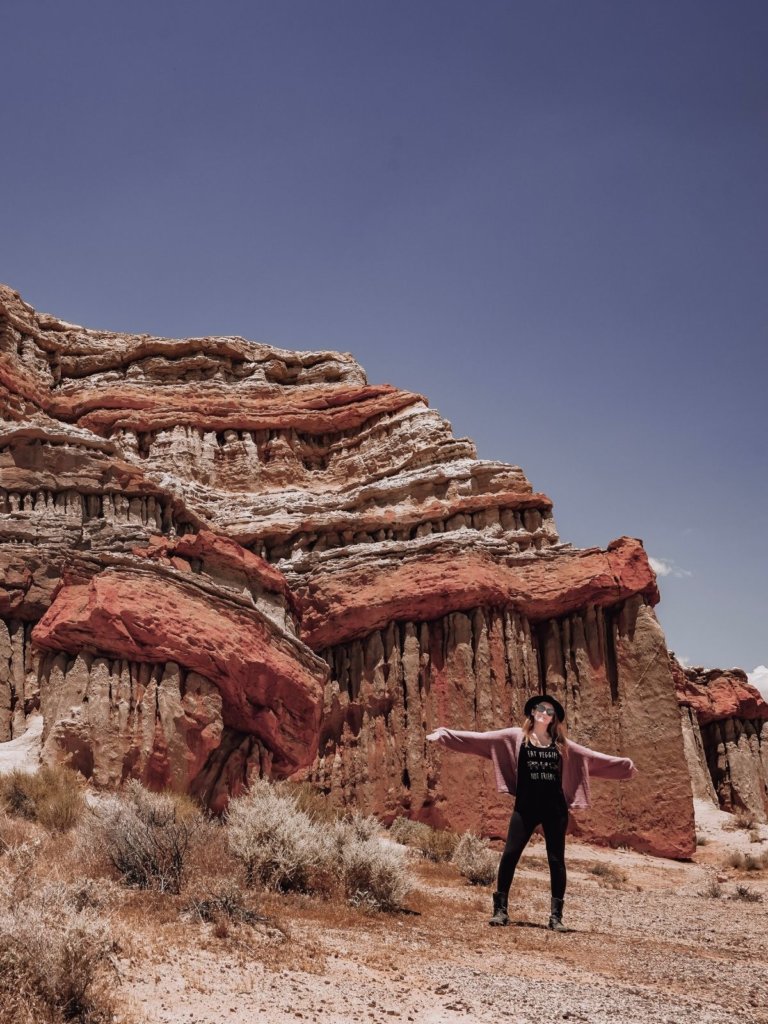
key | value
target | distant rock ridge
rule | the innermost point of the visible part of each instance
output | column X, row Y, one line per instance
column 222, row 559
column 725, row 728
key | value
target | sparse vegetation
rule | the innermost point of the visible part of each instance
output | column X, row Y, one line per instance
column 475, row 859
column 437, row 845
column 741, row 819
column 309, row 799
column 374, row 875
column 278, row 844
column 713, row 890
column 701, row 839
column 743, row 892
column 50, row 796
column 735, row 859
column 282, row 848
column 755, row 863
column 147, row 837
column 227, row 902
column 608, row 873
column 56, row 960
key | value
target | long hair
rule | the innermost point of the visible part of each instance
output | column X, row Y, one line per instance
column 556, row 730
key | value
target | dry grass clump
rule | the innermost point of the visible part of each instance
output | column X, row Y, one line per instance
column 407, row 832
column 735, row 859
column 608, row 873
column 147, row 837
column 50, row 796
column 755, row 836
column 278, row 844
column 435, row 844
column 309, row 799
column 712, row 891
column 743, row 892
column 14, row 832
column 754, row 862
column 282, row 848
column 742, row 819
column 224, row 905
column 475, row 859
column 56, row 960
column 373, row 874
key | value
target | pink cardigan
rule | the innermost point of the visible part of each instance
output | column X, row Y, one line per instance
column 502, row 746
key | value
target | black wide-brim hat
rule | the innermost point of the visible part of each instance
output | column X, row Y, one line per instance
column 531, row 703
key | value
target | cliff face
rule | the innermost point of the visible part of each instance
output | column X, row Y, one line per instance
column 725, row 730
column 220, row 558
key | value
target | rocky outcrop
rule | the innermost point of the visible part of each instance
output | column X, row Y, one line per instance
column 725, row 727
column 222, row 559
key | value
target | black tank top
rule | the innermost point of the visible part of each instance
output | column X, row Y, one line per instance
column 539, row 776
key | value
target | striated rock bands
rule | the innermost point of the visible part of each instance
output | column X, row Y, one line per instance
column 725, row 726
column 221, row 560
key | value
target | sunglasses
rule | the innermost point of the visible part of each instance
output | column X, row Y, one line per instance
column 545, row 709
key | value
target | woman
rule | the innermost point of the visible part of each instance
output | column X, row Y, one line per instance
column 547, row 774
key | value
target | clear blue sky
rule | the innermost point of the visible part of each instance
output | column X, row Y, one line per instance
column 549, row 217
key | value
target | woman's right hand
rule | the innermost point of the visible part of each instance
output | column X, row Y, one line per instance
column 433, row 737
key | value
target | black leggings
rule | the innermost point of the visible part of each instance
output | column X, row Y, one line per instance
column 521, row 825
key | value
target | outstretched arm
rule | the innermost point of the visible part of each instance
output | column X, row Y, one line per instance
column 606, row 766
column 480, row 743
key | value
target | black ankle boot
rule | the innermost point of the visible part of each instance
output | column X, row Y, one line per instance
column 500, row 915
column 556, row 916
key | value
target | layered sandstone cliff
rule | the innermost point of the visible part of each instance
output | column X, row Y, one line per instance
column 725, row 731
column 220, row 558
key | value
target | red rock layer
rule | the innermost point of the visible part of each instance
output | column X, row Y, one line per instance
column 171, row 509
column 725, row 726
column 340, row 606
column 715, row 694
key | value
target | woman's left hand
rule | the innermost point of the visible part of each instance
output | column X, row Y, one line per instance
column 632, row 772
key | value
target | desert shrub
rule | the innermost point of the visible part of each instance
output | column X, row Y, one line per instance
column 439, row 845
column 713, row 890
column 607, row 872
column 434, row 844
column 374, row 875
column 56, row 961
column 755, row 863
column 701, row 840
column 278, row 844
column 735, row 859
column 407, row 832
column 475, row 859
column 741, row 819
column 743, row 892
column 14, row 832
column 147, row 837
column 744, row 819
column 50, row 796
column 362, row 826
column 309, row 799
column 755, row 836
column 227, row 902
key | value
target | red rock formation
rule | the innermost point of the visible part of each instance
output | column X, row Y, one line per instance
column 349, row 603
column 175, row 514
column 725, row 728
column 715, row 694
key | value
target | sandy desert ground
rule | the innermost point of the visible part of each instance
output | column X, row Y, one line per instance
column 648, row 940
column 645, row 945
